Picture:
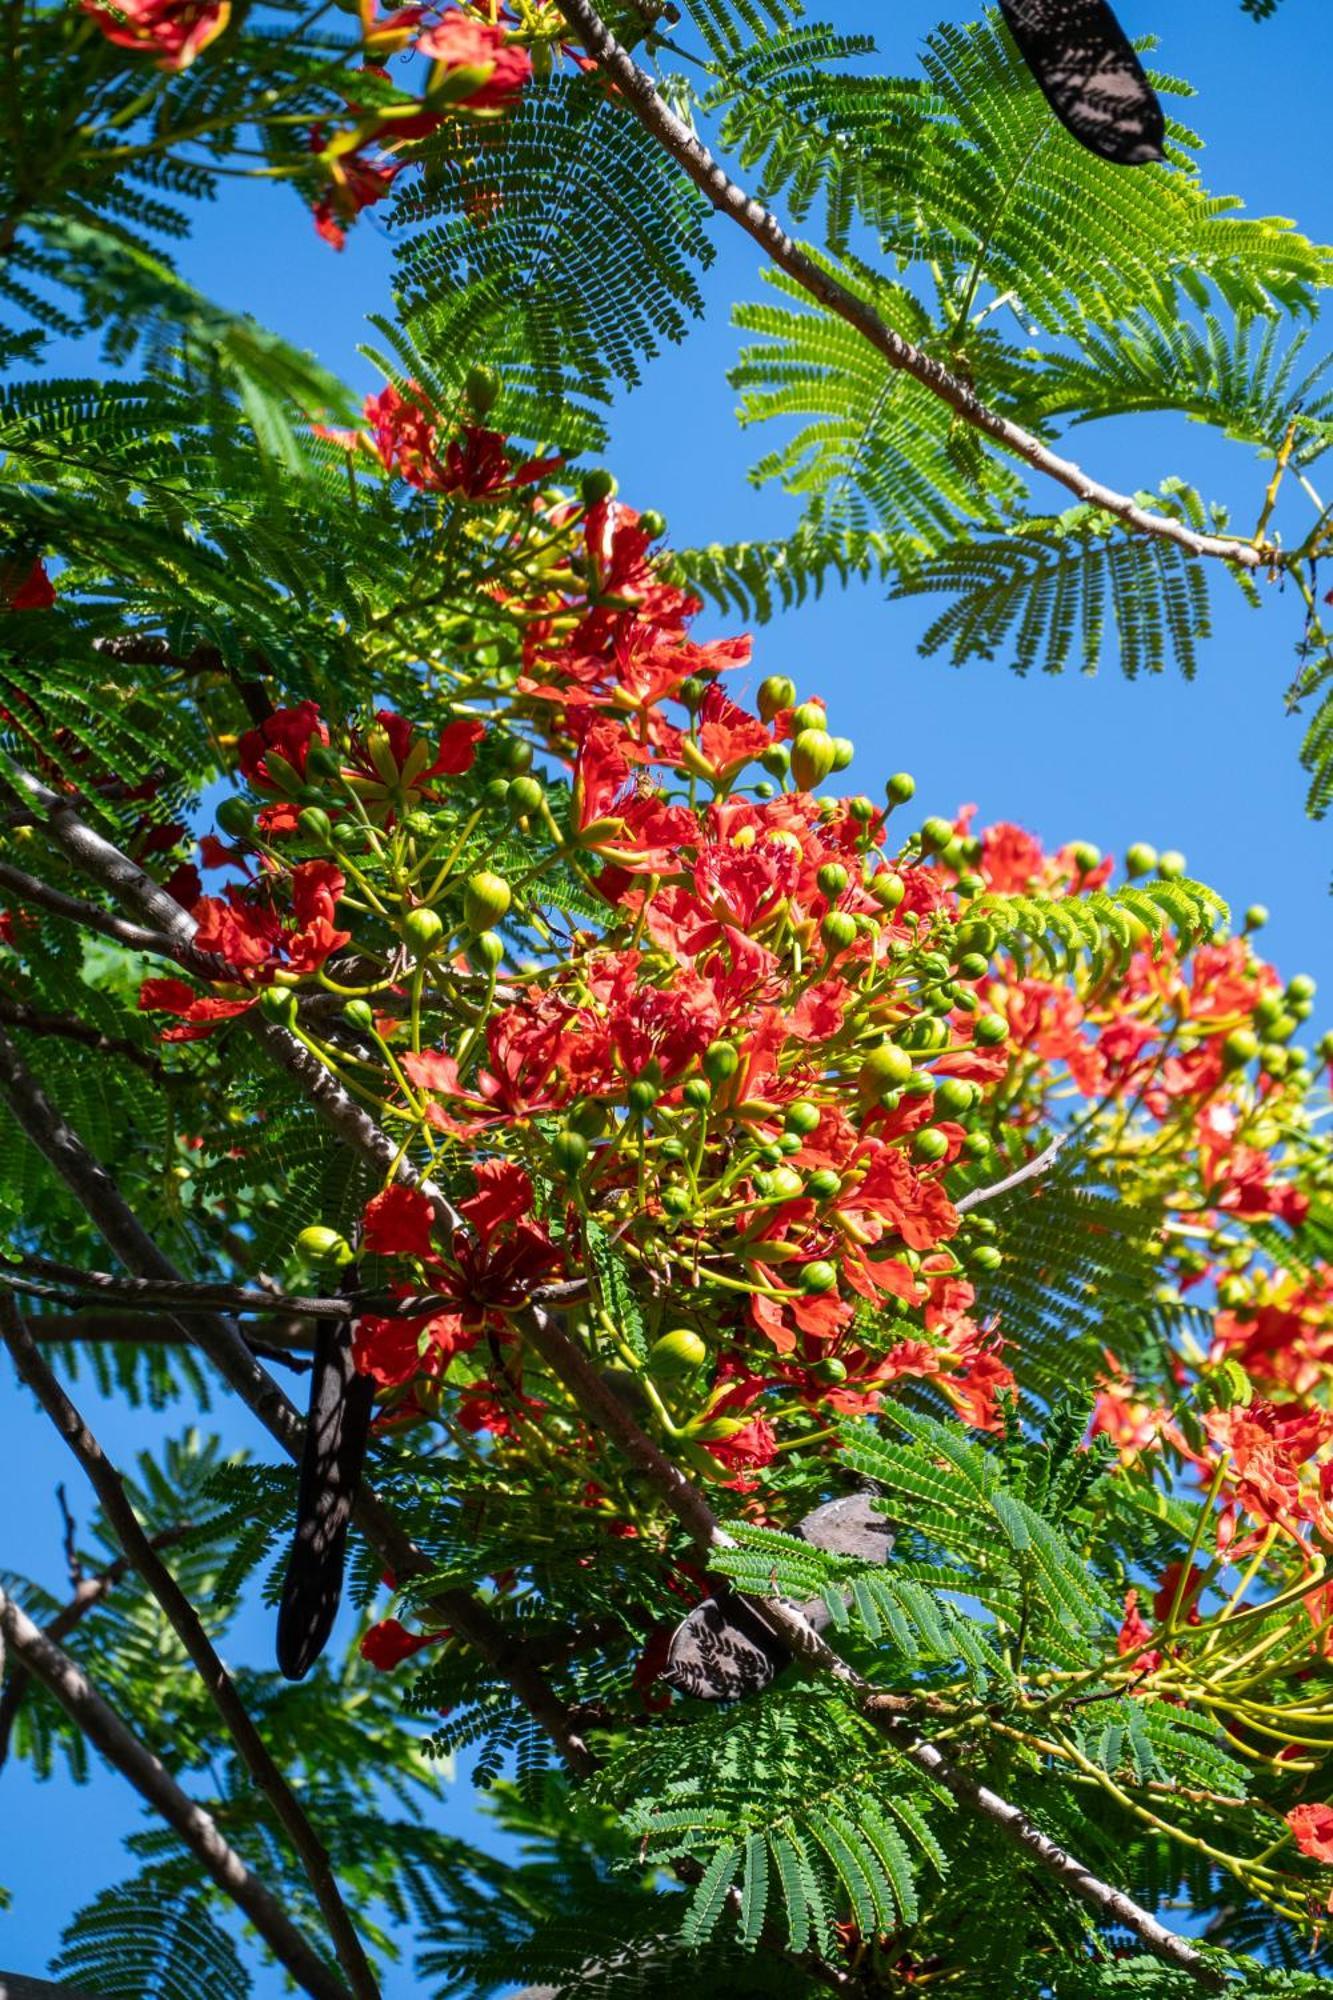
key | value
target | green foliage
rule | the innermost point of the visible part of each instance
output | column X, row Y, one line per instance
column 561, row 246
column 136, row 1944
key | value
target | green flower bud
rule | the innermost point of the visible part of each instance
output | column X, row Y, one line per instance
column 819, row 1276
column 481, row 389
column 654, row 525
column 324, row 1246
column 692, row 691
column 420, row 824
column 924, row 1034
column 677, row 1201
column 861, row 809
column 599, row 485
column 929, row 1145
column 1301, row 987
column 990, row 1030
column 359, row 1014
column 810, row 715
column 830, row 1371
column 496, row 792
column 1256, row 917
column 775, row 694
column 423, row 931
column 832, row 878
column 486, row 900
column 843, row 752
column 488, row 950
column 838, row 930
column 720, row 1061
column 1140, row 859
column 780, row 1184
column 322, row 761
column 1239, row 1049
column 525, row 796
column 973, row 965
column 811, row 758
column 277, row 1003
column 569, row 1152
column 642, row 1095
column 977, row 1145
column 698, row 1093
column 802, row 1118
column 587, row 1117
column 1171, row 865
column 1085, row 856
column 975, row 935
column 777, row 759
column 954, row 1096
column 887, row 889
column 235, row 817
column 985, row 1257
column 936, row 834
column 516, row 755
column 678, row 1353
column 824, row 1185
column 900, row 788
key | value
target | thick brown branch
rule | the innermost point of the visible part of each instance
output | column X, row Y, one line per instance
column 185, row 1623
column 104, row 1728
column 694, row 159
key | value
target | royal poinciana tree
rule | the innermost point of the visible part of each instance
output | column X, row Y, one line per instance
column 836, row 1305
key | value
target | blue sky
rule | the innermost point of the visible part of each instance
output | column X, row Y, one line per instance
column 1210, row 768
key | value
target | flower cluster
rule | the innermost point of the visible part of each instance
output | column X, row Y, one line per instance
column 751, row 1090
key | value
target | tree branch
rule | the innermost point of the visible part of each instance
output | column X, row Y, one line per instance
column 641, row 95
column 598, row 1402
column 220, row 1340
column 1016, row 1179
column 16, row 1014
column 185, row 1622
column 134, row 936
column 104, row 1728
column 90, row 1591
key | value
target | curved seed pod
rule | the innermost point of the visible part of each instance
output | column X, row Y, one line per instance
column 1090, row 77
column 337, row 1432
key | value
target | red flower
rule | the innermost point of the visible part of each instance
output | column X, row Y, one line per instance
column 200, row 1013
column 273, row 759
column 355, row 182
column 178, row 30
column 1313, row 1829
column 394, row 1351
column 459, row 44
column 389, row 1643
column 397, row 1223
column 33, row 591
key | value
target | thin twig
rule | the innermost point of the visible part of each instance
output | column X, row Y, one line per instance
column 40, row 1278
column 640, row 94
column 1027, row 1173
column 185, row 1622
column 106, row 1731
column 89, row 1592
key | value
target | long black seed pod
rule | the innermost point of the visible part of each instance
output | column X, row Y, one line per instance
column 337, row 1433
column 1090, row 77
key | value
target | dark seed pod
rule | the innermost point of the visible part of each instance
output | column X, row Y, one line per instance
column 1090, row 76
